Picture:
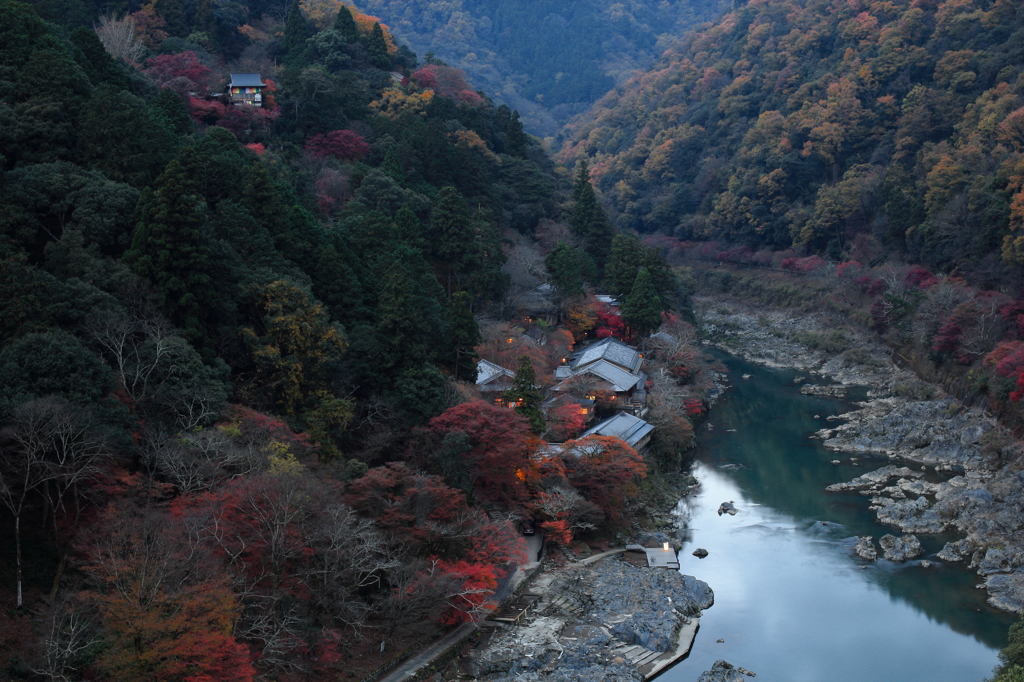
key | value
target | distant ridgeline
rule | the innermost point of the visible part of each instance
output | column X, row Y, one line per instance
column 550, row 59
column 846, row 128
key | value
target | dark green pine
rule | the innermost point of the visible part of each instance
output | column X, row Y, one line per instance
column 296, row 31
column 525, row 392
column 168, row 248
column 465, row 336
column 346, row 25
column 642, row 309
column 563, row 263
column 377, row 47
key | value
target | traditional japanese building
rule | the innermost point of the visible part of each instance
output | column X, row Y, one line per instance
column 246, row 88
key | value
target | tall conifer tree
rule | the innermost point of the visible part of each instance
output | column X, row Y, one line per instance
column 346, row 25
column 452, row 231
column 465, row 335
column 168, row 247
column 296, row 31
column 525, row 392
column 377, row 46
column 588, row 220
column 642, row 309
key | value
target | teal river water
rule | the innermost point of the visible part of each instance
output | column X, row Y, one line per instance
column 792, row 602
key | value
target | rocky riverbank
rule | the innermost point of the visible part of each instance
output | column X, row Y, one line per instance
column 906, row 421
column 603, row 622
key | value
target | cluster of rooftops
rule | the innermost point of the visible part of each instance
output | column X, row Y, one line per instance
column 608, row 366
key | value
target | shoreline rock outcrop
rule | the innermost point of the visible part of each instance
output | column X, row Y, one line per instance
column 970, row 490
column 586, row 614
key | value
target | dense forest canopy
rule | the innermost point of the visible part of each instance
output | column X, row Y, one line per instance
column 239, row 343
column 239, row 430
column 844, row 128
column 549, row 59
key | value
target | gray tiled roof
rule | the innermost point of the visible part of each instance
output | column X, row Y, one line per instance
column 487, row 371
column 619, row 379
column 246, row 80
column 623, row 425
column 612, row 350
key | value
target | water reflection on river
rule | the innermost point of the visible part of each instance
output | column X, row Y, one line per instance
column 791, row 601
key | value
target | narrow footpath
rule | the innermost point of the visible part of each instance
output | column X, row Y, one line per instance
column 410, row 667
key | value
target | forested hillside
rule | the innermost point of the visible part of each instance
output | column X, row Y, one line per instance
column 239, row 432
column 849, row 129
column 550, row 59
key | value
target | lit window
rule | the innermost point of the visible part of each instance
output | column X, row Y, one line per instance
column 583, row 410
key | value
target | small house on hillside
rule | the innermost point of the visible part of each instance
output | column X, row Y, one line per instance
column 493, row 379
column 608, row 366
column 609, row 350
column 635, row 431
column 246, row 88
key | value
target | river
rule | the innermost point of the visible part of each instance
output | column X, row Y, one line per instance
column 792, row 602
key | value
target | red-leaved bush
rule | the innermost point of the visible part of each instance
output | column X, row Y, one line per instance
column 182, row 72
column 346, row 145
column 448, row 82
column 804, row 265
column 921, row 278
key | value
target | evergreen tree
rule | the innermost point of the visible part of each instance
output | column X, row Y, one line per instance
column 465, row 336
column 526, row 395
column 516, row 141
column 296, row 31
column 624, row 261
column 409, row 229
column 96, row 62
column 563, row 263
column 122, row 137
column 170, row 110
column 411, row 326
column 377, row 47
column 336, row 284
column 168, row 246
column 346, row 25
column 452, row 232
column 642, row 309
column 392, row 166
column 588, row 221
column 486, row 280
column 174, row 16
column 205, row 21
column 663, row 279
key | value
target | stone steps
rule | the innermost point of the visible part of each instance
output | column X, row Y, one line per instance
column 634, row 653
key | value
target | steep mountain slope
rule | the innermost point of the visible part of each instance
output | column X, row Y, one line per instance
column 550, row 59
column 840, row 127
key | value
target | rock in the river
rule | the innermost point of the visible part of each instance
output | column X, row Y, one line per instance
column 727, row 508
column 1006, row 590
column 874, row 480
column 700, row 552
column 925, row 431
column 900, row 549
column 721, row 672
column 865, row 548
column 746, row 672
column 833, row 391
column 956, row 551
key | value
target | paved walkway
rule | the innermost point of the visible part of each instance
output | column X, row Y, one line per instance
column 425, row 657
column 597, row 557
column 413, row 665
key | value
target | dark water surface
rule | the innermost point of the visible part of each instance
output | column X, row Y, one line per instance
column 792, row 601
